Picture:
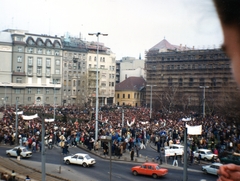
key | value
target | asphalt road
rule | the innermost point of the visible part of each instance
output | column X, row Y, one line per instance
column 101, row 171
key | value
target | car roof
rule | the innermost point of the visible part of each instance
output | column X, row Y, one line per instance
column 150, row 163
column 218, row 164
column 81, row 154
column 176, row 145
column 201, row 149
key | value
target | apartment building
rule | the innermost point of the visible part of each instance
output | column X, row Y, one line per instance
column 186, row 78
column 32, row 68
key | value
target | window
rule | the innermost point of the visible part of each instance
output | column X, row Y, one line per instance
column 30, row 61
column 19, row 59
column 17, row 91
column 29, row 91
column 49, row 52
column 103, row 59
column 29, row 99
column 38, row 91
column 19, row 80
column 170, row 82
column 214, row 82
column 180, row 81
column 95, row 59
column 48, row 62
column 128, row 96
column 57, row 53
column 47, row 91
column 190, row 81
column 57, row 71
column 90, row 65
column 39, row 61
column 39, row 71
column 29, row 70
column 30, row 50
column 48, row 71
column 40, row 51
column 19, row 68
column 18, row 38
column 118, row 96
column 19, row 49
column 89, row 58
column 201, row 82
column 123, row 95
column 57, row 62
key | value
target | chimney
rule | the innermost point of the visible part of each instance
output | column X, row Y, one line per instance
column 193, row 47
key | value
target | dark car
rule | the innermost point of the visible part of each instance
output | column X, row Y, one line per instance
column 230, row 159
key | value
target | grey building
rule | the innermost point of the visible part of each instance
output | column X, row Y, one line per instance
column 32, row 68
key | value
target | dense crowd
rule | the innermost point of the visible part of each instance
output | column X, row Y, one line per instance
column 77, row 126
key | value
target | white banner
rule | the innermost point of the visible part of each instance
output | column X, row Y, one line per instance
column 194, row 130
column 49, row 120
column 18, row 113
column 30, row 117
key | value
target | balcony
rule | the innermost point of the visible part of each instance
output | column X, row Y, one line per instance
column 16, row 73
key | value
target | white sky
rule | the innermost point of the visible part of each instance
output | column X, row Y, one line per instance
column 133, row 26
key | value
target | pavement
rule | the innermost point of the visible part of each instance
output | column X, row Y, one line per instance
column 54, row 173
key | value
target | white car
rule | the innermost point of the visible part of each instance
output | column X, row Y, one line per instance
column 25, row 153
column 174, row 148
column 211, row 169
column 80, row 159
column 205, row 154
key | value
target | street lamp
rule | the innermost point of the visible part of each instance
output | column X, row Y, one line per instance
column 203, row 87
column 5, row 94
column 96, row 116
column 43, row 157
column 151, row 101
column 185, row 150
column 54, row 98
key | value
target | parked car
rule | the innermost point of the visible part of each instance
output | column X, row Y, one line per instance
column 150, row 169
column 25, row 153
column 80, row 159
column 233, row 158
column 205, row 154
column 174, row 148
column 211, row 169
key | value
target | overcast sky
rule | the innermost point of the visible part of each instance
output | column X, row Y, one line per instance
column 133, row 26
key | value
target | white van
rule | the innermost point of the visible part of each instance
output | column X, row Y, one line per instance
column 174, row 148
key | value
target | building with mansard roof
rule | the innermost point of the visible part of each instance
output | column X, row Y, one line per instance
column 187, row 78
column 31, row 68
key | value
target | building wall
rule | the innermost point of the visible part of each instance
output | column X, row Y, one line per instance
column 31, row 82
column 179, row 75
column 129, row 98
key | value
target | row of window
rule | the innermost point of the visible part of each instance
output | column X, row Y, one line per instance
column 38, row 91
column 39, row 71
column 29, row 99
column 136, row 96
column 201, row 81
column 102, row 59
column 193, row 66
column 40, row 51
column 194, row 57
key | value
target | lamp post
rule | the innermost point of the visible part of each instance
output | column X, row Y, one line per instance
column 185, row 150
column 43, row 157
column 96, row 116
column 54, row 98
column 109, row 140
column 5, row 93
column 203, row 87
column 16, row 124
column 151, row 101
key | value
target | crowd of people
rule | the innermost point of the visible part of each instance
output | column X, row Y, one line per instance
column 75, row 126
